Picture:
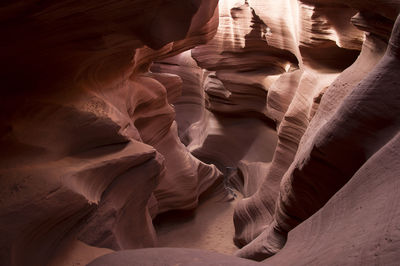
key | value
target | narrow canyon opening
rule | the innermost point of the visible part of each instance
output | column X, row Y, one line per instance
column 201, row 132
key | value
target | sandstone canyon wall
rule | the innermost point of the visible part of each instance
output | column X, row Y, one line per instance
column 89, row 144
column 115, row 112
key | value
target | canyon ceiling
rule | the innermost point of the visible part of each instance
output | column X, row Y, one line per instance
column 114, row 112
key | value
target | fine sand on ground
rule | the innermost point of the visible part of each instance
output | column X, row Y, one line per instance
column 209, row 227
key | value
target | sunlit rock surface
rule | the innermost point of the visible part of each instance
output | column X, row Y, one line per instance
column 329, row 151
column 113, row 113
column 245, row 57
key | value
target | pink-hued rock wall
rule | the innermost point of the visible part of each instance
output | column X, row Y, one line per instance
column 90, row 149
column 296, row 73
column 346, row 129
column 113, row 112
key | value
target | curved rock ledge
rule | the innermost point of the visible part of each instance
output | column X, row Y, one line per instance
column 114, row 112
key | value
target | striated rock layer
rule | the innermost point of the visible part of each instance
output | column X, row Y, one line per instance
column 297, row 73
column 112, row 113
column 90, row 149
column 358, row 114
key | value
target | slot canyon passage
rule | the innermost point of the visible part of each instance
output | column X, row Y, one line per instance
column 200, row 132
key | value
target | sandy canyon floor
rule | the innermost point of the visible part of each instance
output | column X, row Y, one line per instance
column 209, row 227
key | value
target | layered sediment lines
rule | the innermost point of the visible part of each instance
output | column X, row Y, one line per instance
column 329, row 149
column 113, row 113
column 90, row 149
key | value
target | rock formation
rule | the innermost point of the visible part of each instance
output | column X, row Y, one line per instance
column 115, row 112
column 319, row 168
column 89, row 144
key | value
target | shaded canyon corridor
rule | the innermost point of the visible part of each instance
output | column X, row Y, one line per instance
column 199, row 132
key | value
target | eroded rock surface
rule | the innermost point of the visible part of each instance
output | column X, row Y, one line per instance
column 331, row 149
column 112, row 113
column 90, row 149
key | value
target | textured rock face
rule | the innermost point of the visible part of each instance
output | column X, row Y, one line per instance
column 373, row 218
column 245, row 58
column 373, row 132
column 114, row 112
column 345, row 131
column 299, row 73
column 89, row 144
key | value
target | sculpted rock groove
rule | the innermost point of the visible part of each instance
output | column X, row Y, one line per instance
column 113, row 112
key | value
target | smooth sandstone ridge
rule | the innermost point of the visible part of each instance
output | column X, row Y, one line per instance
column 114, row 112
